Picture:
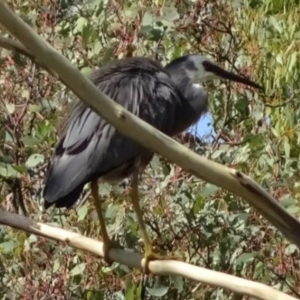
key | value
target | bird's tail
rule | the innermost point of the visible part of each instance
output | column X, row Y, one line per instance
column 65, row 201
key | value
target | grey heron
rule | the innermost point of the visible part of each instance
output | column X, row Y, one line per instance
column 169, row 98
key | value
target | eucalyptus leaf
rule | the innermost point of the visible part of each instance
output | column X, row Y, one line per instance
column 34, row 160
column 10, row 108
column 158, row 291
column 77, row 270
column 8, row 246
column 82, row 212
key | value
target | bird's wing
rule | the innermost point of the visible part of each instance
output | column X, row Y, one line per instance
column 90, row 147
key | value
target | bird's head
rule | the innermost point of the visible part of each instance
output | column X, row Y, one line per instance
column 200, row 69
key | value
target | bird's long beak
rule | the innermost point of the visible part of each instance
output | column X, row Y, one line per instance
column 218, row 71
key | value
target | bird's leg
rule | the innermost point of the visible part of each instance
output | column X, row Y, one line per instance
column 108, row 243
column 139, row 212
column 149, row 253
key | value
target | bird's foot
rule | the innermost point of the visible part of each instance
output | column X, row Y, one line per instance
column 150, row 255
column 107, row 245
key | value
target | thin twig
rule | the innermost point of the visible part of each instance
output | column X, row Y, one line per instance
column 15, row 185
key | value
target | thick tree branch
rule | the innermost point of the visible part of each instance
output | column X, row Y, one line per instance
column 134, row 260
column 140, row 131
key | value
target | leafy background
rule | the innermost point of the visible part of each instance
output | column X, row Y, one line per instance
column 255, row 133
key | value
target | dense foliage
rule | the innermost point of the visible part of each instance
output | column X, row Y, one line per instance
column 206, row 225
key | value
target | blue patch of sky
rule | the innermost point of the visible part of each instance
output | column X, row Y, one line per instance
column 205, row 131
column 203, row 128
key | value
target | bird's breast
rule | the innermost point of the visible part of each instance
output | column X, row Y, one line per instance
column 126, row 169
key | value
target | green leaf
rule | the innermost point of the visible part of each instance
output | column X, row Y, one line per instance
column 34, row 108
column 96, row 295
column 97, row 47
column 256, row 142
column 6, row 159
column 275, row 24
column 80, row 23
column 155, row 163
column 147, row 19
column 242, row 104
column 118, row 296
column 293, row 209
column 275, row 132
column 56, row 265
column 170, row 13
column 10, row 108
column 293, row 61
column 178, row 283
column 88, row 34
column 291, row 249
column 259, row 269
column 20, row 168
column 34, row 160
column 77, row 270
column 279, row 59
column 287, row 202
column 3, row 171
column 132, row 224
column 82, row 211
column 105, row 189
column 9, row 137
column 8, row 247
column 159, row 291
column 287, row 148
column 43, row 129
column 155, row 35
column 245, row 257
column 198, row 204
column 129, row 293
column 86, row 70
column 7, row 171
column 30, row 141
column 209, row 190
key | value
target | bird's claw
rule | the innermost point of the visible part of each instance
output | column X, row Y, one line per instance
column 150, row 255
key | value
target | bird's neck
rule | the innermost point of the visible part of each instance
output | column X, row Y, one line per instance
column 194, row 102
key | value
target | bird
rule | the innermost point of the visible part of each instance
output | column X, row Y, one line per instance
column 170, row 98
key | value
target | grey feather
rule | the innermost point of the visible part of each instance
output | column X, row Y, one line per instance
column 89, row 147
column 168, row 98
